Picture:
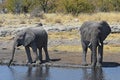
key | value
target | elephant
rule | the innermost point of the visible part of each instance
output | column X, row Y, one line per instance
column 93, row 34
column 32, row 37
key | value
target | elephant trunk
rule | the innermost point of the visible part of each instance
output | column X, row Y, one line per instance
column 13, row 52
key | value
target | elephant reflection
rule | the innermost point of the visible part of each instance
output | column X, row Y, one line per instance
column 40, row 73
column 94, row 74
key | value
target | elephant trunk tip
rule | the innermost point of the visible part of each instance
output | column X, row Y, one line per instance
column 10, row 62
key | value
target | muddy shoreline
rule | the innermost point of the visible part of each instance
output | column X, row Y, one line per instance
column 58, row 59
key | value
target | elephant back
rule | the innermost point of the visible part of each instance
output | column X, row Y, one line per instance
column 41, row 35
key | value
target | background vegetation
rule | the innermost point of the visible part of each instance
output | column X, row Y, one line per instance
column 61, row 6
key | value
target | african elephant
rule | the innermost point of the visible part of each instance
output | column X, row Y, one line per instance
column 34, row 37
column 92, row 36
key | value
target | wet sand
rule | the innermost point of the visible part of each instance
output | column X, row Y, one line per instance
column 58, row 58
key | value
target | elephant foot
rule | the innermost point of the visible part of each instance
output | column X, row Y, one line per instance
column 99, row 65
column 93, row 65
column 47, row 60
column 29, row 62
column 36, row 62
column 84, row 64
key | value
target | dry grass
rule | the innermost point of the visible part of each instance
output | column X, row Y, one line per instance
column 112, row 18
column 75, row 48
column 7, row 38
column 68, row 48
column 64, row 19
column 64, row 35
column 112, row 48
column 115, row 36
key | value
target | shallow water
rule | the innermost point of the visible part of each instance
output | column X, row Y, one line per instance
column 57, row 73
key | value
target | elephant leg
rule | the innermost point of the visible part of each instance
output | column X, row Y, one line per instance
column 100, row 55
column 91, row 53
column 46, row 53
column 84, row 47
column 27, row 49
column 40, row 54
column 34, row 48
column 94, row 55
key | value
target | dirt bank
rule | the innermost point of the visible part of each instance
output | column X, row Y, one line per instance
column 59, row 58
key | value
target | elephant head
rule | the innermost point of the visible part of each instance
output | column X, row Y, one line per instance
column 24, row 38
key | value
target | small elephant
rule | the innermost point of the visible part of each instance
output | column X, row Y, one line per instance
column 34, row 37
column 92, row 36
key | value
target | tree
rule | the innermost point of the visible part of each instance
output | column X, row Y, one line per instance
column 47, row 5
column 78, row 6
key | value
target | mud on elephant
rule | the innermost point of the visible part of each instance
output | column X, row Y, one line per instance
column 34, row 37
column 92, row 36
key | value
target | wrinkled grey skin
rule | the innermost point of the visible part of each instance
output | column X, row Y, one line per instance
column 92, row 36
column 36, row 38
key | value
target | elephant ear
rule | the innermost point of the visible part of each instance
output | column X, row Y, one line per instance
column 105, row 30
column 28, row 37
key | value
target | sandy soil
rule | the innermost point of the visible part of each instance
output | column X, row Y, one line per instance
column 59, row 57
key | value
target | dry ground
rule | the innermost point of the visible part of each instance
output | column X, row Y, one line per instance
column 63, row 19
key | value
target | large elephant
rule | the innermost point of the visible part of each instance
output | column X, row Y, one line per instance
column 92, row 36
column 34, row 37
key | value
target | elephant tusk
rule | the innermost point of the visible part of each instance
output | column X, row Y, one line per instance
column 99, row 44
column 89, row 44
column 10, row 62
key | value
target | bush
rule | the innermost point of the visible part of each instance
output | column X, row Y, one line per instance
column 64, row 6
column 78, row 6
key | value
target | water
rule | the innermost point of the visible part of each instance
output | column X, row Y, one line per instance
column 56, row 73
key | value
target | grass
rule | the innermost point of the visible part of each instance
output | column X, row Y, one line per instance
column 112, row 48
column 74, row 48
column 69, row 48
column 64, row 19
column 115, row 36
column 112, row 18
column 64, row 35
